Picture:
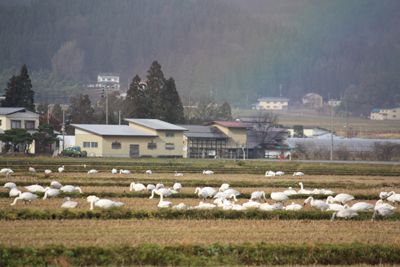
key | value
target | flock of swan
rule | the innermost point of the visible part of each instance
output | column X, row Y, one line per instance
column 224, row 197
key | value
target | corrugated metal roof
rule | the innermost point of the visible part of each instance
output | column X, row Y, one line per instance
column 156, row 124
column 111, row 130
column 273, row 99
column 7, row 111
column 231, row 124
column 204, row 132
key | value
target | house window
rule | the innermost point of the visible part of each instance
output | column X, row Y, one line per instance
column 169, row 134
column 15, row 124
column 93, row 144
column 115, row 145
column 30, row 125
column 86, row 144
column 151, row 145
column 169, row 146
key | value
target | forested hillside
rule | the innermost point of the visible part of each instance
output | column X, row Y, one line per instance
column 230, row 49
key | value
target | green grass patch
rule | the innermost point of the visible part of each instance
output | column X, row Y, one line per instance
column 216, row 214
column 201, row 255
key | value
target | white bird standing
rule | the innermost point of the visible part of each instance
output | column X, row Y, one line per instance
column 150, row 187
column 55, row 184
column 102, row 203
column 14, row 192
column 61, row 169
column 114, row 171
column 159, row 185
column 208, row 172
column 6, row 171
column 10, row 185
column 178, row 174
column 279, row 173
column 137, row 187
column 340, row 198
column 162, row 191
column 69, row 204
column 47, row 172
column 177, row 186
column 382, row 209
column 124, row 172
column 31, row 169
column 223, row 187
column 269, row 173
column 303, row 191
column 205, row 192
column 345, row 213
column 51, row 192
column 318, row 204
column 279, row 197
column 92, row 171
column 71, row 189
column 149, row 172
column 362, row 206
column 298, row 174
column 26, row 197
column 258, row 195
column 35, row 188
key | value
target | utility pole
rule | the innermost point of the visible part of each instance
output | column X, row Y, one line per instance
column 63, row 128
column 119, row 117
column 106, row 106
column 331, row 154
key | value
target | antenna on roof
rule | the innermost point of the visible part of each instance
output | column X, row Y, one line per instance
column 280, row 90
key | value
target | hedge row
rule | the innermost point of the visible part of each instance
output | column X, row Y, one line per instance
column 201, row 255
column 122, row 213
column 183, row 195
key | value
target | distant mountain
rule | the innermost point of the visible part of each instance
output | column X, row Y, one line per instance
column 229, row 49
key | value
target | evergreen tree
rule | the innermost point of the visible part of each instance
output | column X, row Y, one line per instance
column 172, row 108
column 16, row 140
column 19, row 91
column 224, row 112
column 81, row 110
column 138, row 103
column 155, row 86
column 44, row 138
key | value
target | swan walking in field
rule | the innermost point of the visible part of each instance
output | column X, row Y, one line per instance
column 102, row 203
column 69, row 204
column 258, row 195
column 205, row 192
column 71, row 189
column 317, row 204
column 340, row 198
column 26, row 197
column 137, row 187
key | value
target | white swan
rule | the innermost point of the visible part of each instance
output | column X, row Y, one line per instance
column 35, row 188
column 385, row 195
column 180, row 206
column 159, row 185
column 380, row 203
column 382, row 209
column 258, row 195
column 269, row 173
column 137, row 187
column 341, row 198
column 92, row 171
column 251, row 204
column 71, row 189
column 31, row 169
column 345, row 213
column 293, row 207
column 177, row 186
column 26, row 197
column 51, row 192
column 10, row 185
column 6, row 171
column 61, row 169
column 279, row 173
column 230, row 194
column 14, row 192
column 114, row 171
column 150, row 187
column 290, row 192
column 318, row 204
column 47, row 172
column 362, row 206
column 298, row 174
column 102, row 203
column 55, row 184
column 164, row 204
column 124, row 172
column 205, row 206
column 303, row 191
column 205, row 192
column 279, row 197
column 208, row 172
column 161, row 192
column 69, row 204
column 223, row 187
column 268, row 207
column 335, row 207
column 149, row 172
column 394, row 197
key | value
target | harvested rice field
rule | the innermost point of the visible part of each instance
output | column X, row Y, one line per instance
column 40, row 232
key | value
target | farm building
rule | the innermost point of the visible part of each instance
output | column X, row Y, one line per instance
column 272, row 103
column 385, row 114
column 313, row 101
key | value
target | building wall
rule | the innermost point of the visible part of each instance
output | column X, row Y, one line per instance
column 386, row 114
column 125, row 142
column 273, row 105
column 83, row 136
column 237, row 136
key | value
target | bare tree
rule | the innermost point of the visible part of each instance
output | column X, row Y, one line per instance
column 386, row 151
